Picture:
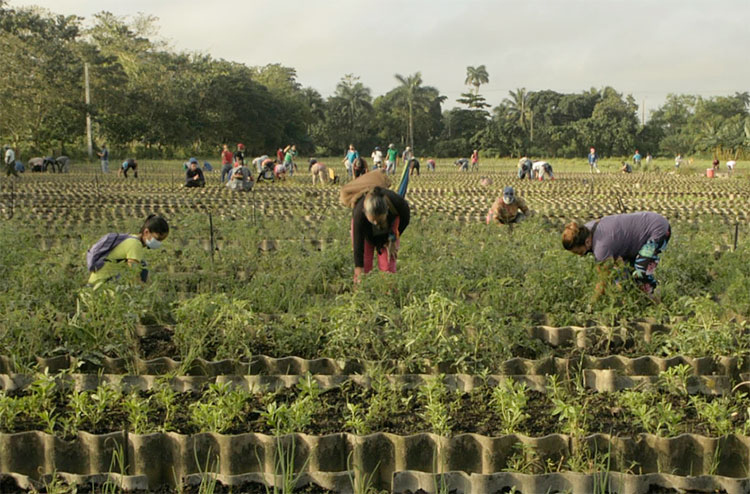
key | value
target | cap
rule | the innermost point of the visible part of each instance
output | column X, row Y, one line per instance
column 240, row 146
column 391, row 146
column 193, row 160
column 313, row 161
column 377, row 148
column 509, row 195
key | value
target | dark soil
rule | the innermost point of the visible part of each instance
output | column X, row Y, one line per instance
column 157, row 343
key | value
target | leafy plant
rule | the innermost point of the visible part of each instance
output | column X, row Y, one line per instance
column 509, row 401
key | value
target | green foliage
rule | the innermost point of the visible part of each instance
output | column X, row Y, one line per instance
column 219, row 407
column 434, row 397
column 509, row 400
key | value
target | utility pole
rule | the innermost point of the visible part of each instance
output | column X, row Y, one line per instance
column 643, row 113
column 88, row 112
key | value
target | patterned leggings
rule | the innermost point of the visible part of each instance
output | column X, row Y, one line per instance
column 647, row 260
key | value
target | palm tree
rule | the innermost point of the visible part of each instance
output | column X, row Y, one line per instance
column 354, row 96
column 476, row 76
column 411, row 86
column 315, row 104
column 519, row 109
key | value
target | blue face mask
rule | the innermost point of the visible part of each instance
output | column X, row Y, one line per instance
column 153, row 243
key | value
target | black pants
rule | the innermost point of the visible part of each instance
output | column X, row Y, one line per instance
column 195, row 183
column 133, row 167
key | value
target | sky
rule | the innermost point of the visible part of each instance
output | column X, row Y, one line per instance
column 646, row 48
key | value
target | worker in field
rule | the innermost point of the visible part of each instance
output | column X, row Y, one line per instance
column 116, row 253
column 508, row 208
column 594, row 161
column 227, row 159
column 127, row 165
column 318, row 171
column 194, row 176
column 636, row 238
column 379, row 218
column 9, row 157
column 541, row 168
column 525, row 166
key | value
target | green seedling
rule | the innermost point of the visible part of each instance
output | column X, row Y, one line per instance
column 509, row 401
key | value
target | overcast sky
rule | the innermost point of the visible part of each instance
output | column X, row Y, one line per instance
column 647, row 48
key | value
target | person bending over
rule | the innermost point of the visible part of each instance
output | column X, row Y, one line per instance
column 636, row 238
column 379, row 218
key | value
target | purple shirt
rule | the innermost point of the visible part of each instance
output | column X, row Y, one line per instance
column 623, row 235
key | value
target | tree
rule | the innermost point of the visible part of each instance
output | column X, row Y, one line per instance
column 476, row 76
column 518, row 108
column 416, row 97
column 349, row 115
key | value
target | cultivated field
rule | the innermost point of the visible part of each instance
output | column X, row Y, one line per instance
column 486, row 365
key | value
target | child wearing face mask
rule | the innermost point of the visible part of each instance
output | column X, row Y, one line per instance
column 131, row 250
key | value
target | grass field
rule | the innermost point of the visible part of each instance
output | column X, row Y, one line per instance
column 488, row 354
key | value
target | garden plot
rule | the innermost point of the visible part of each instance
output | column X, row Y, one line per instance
column 485, row 365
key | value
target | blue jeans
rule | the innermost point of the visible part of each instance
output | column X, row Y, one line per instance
column 226, row 170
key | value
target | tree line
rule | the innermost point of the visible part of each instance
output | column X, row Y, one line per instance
column 153, row 101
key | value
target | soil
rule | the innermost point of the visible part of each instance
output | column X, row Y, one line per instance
column 157, row 343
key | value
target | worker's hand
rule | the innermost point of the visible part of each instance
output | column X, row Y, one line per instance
column 358, row 274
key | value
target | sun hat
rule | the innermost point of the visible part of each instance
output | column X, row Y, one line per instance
column 193, row 160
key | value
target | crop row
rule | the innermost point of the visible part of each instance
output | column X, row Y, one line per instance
column 490, row 405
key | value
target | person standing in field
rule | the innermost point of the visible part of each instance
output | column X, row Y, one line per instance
column 407, row 156
column 104, row 156
column 678, row 161
column 379, row 218
column 226, row 163
column 377, row 158
column 391, row 160
column 730, row 166
column 475, row 160
column 115, row 254
column 10, row 161
column 636, row 238
column 715, row 164
column 593, row 161
column 239, row 155
column 637, row 158
column 649, row 158
column 290, row 154
column 352, row 155
column 508, row 208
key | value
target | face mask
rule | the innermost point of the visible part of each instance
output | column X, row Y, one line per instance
column 153, row 243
